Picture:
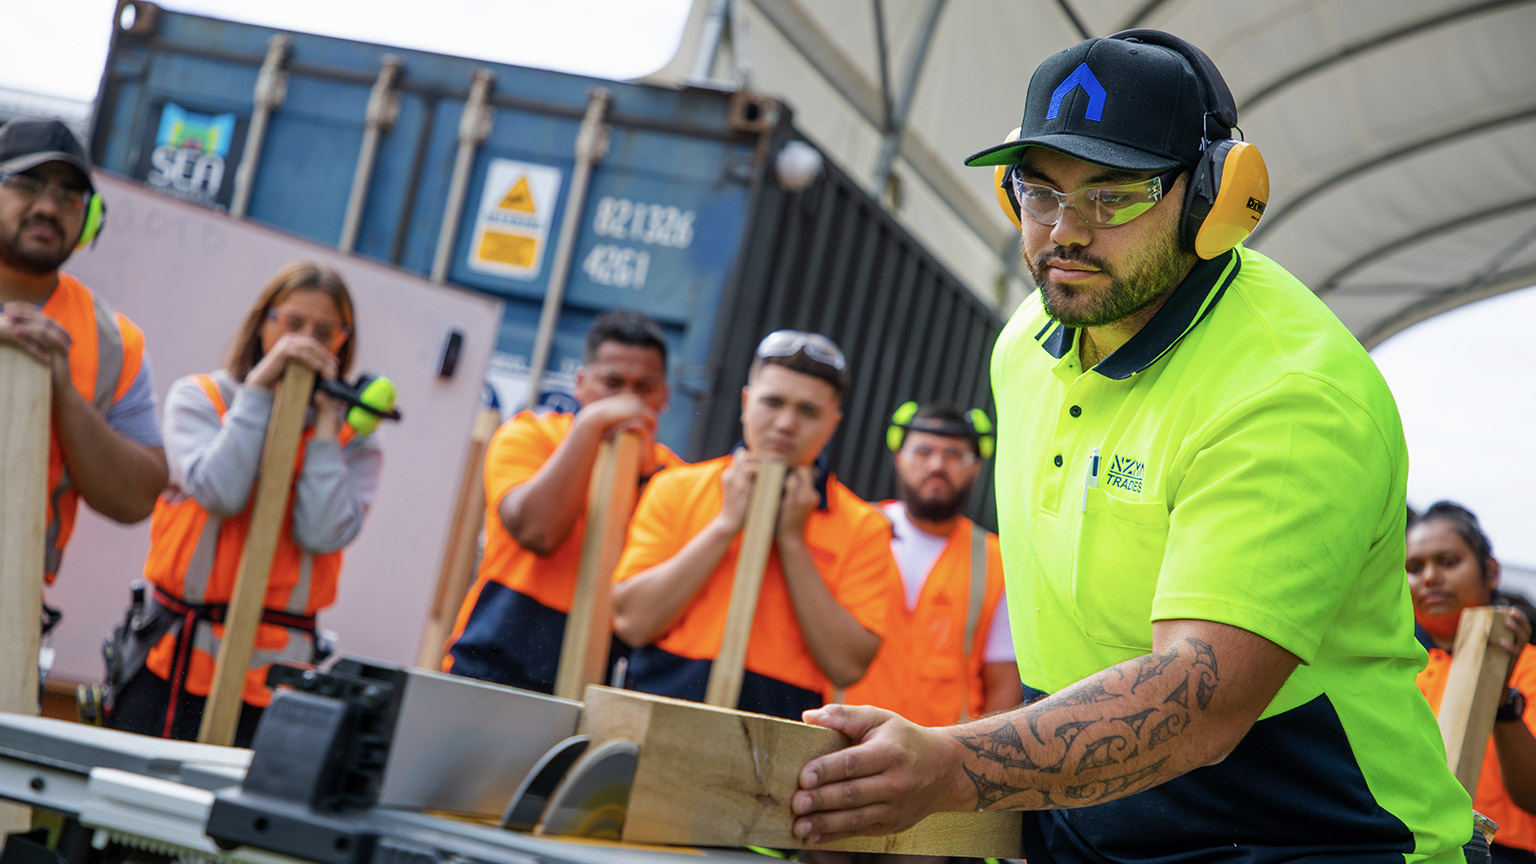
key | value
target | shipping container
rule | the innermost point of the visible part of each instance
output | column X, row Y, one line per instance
column 563, row 196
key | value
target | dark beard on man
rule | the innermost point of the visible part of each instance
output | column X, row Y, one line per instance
column 939, row 509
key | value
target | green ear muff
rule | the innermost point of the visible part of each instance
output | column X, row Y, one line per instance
column 897, row 431
column 95, row 219
column 986, row 438
column 377, row 394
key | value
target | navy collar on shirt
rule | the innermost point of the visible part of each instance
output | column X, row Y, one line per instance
column 823, row 473
column 1185, row 309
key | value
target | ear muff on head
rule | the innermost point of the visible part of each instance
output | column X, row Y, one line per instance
column 1229, row 188
column 1225, row 199
column 95, row 220
column 897, row 431
column 986, row 438
column 1004, row 190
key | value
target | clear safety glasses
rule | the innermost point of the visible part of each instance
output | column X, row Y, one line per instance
column 787, row 343
column 1099, row 206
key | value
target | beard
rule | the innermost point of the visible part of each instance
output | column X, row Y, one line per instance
column 941, row 508
column 34, row 261
column 1133, row 286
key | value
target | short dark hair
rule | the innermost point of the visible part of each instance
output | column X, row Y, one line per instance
column 1464, row 523
column 945, row 418
column 625, row 327
column 805, row 365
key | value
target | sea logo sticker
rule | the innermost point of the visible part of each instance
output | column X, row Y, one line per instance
column 517, row 205
column 191, row 153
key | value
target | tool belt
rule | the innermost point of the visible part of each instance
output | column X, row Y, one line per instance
column 127, row 650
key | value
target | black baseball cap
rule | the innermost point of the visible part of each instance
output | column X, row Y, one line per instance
column 26, row 143
column 1114, row 101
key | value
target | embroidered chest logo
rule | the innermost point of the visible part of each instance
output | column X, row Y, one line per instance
column 1126, row 473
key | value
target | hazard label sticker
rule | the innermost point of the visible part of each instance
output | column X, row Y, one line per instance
column 517, row 205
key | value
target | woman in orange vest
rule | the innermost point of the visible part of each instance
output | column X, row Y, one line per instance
column 215, row 431
column 1450, row 568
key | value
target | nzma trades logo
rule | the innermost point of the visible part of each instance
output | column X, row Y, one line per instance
column 1126, row 473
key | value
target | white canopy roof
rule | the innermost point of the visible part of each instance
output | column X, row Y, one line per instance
column 1400, row 135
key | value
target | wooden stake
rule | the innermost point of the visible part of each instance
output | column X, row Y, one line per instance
column 726, row 673
column 24, row 423
column 458, row 568
column 221, row 713
column 1473, row 689
column 709, row 776
column 588, row 627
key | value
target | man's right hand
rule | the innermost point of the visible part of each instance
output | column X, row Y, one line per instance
column 611, row 415
column 736, row 489
column 41, row 337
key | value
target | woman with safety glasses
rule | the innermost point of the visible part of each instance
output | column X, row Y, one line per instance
column 215, row 430
column 1451, row 568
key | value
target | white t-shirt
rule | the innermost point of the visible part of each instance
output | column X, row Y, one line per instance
column 916, row 551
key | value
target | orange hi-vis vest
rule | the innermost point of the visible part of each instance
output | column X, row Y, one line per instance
column 929, row 667
column 104, row 358
column 194, row 556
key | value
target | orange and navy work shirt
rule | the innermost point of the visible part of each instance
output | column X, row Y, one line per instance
column 849, row 542
column 1517, row 828
column 924, row 671
column 512, row 623
column 105, row 358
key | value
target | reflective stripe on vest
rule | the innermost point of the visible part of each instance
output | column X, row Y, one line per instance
column 98, row 346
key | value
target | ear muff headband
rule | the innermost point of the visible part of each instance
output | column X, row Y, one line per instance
column 1227, row 191
column 980, row 424
column 95, row 220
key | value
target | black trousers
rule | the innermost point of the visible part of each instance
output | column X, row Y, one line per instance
column 145, row 699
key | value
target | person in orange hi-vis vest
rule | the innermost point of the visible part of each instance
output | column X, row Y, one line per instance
column 538, row 469
column 216, row 426
column 105, row 446
column 949, row 657
column 1450, row 568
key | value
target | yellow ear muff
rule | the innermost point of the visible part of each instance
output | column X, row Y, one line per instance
column 986, row 438
column 1242, row 193
column 1004, row 190
column 95, row 218
column 897, row 431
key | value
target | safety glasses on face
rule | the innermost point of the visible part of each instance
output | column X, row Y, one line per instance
column 787, row 343
column 1099, row 206
column 31, row 186
column 329, row 335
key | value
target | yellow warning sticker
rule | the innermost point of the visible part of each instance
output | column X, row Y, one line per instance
column 520, row 199
column 512, row 219
column 515, row 250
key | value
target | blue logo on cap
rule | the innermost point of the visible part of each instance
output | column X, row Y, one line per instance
column 1081, row 76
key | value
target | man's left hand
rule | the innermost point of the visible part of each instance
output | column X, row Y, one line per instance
column 799, row 502
column 895, row 774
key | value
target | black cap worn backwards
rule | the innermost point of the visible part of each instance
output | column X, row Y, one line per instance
column 1122, row 104
column 26, row 143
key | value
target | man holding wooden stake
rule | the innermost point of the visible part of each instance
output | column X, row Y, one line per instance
column 105, row 446
column 828, row 585
column 538, row 470
column 1200, row 480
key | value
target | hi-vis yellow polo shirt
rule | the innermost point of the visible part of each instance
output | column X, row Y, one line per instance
column 1251, row 471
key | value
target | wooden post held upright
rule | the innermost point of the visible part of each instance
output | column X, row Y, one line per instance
column 25, row 406
column 458, row 569
column 221, row 714
column 610, row 500
column 1473, row 688
column 726, row 673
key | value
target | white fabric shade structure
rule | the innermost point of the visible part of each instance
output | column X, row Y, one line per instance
column 1400, row 135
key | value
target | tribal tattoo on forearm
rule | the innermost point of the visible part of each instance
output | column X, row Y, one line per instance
column 1103, row 738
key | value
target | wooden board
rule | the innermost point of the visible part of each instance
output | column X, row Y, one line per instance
column 710, row 776
column 221, row 713
column 726, row 673
column 458, row 569
column 1473, row 689
column 24, row 422
column 588, row 627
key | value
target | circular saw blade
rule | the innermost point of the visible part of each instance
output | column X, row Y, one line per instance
column 527, row 805
column 593, row 798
